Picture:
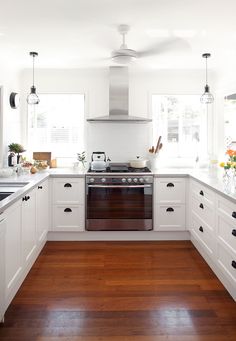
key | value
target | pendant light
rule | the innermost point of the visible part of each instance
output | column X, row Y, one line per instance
column 207, row 97
column 32, row 98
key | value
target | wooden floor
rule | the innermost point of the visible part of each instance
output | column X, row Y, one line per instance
column 120, row 291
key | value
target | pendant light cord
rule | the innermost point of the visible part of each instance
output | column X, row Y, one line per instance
column 33, row 69
column 206, row 71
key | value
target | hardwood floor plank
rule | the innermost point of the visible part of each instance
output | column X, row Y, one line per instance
column 120, row 291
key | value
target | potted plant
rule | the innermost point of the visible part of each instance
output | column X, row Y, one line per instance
column 15, row 149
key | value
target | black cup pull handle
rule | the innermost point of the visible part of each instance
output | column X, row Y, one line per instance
column 24, row 199
column 170, row 184
column 201, row 229
column 201, row 206
column 234, row 232
column 169, row 209
column 67, row 210
column 40, row 187
column 233, row 264
column 201, row 193
column 67, row 185
column 234, row 214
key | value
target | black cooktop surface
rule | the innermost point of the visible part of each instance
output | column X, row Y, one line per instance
column 121, row 168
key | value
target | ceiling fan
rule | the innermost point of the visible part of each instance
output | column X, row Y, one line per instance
column 125, row 55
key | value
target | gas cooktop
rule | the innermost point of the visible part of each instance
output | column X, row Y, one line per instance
column 121, row 168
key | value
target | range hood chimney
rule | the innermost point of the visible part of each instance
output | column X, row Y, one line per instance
column 119, row 99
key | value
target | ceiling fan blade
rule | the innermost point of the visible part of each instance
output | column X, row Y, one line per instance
column 171, row 44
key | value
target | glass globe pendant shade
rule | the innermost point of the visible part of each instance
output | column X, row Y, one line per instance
column 207, row 97
column 32, row 98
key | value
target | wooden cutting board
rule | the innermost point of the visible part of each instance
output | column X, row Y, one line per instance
column 43, row 156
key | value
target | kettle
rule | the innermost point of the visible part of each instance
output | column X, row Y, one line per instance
column 98, row 162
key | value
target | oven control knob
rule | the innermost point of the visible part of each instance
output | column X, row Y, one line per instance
column 123, row 180
column 141, row 180
column 129, row 180
column 91, row 180
column 135, row 180
column 103, row 179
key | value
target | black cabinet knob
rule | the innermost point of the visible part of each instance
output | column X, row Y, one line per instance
column 40, row 187
column 26, row 198
column 233, row 264
column 234, row 232
column 169, row 209
column 67, row 210
column 67, row 185
column 234, row 214
column 201, row 229
column 201, row 206
column 201, row 193
column 170, row 184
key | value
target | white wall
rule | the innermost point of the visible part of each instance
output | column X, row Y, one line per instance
column 10, row 119
column 120, row 141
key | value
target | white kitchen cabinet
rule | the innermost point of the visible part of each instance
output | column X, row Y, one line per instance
column 169, row 204
column 68, row 218
column 2, row 266
column 42, row 211
column 170, row 217
column 13, row 250
column 170, row 190
column 68, row 190
column 204, row 211
column 213, row 232
column 203, row 234
column 29, row 240
column 68, row 206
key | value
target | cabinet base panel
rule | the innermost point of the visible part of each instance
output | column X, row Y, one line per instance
column 115, row 235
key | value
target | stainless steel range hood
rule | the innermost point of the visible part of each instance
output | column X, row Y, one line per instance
column 119, row 99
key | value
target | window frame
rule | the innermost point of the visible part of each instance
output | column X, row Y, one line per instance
column 208, row 120
column 84, row 93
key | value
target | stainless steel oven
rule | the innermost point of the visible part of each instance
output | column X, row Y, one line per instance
column 117, row 202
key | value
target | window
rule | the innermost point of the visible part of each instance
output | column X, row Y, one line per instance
column 182, row 123
column 56, row 124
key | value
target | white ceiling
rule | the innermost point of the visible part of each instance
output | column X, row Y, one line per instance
column 82, row 33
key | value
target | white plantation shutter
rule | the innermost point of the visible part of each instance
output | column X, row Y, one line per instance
column 56, row 124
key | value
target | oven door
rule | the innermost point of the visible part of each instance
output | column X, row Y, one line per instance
column 119, row 207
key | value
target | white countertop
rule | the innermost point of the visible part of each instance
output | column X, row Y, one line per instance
column 210, row 178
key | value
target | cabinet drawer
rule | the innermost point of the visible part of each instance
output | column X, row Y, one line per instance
column 68, row 218
column 203, row 193
column 227, row 232
column 227, row 262
column 169, row 218
column 170, row 190
column 227, row 209
column 68, row 190
column 204, row 211
column 203, row 235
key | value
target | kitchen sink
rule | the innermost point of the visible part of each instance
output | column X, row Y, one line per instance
column 13, row 184
column 4, row 195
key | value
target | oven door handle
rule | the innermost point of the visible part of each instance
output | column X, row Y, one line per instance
column 119, row 186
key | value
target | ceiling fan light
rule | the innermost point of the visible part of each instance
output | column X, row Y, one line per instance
column 124, row 56
column 123, row 59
